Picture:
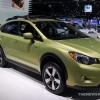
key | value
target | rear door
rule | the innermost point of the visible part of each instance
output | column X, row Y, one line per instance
column 9, row 32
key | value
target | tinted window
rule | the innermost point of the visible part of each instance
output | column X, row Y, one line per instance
column 10, row 28
column 26, row 27
column 57, row 30
column 76, row 25
column 47, row 29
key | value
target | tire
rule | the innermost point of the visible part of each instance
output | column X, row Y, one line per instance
column 53, row 78
column 3, row 62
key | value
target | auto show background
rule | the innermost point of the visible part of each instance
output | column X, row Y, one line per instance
column 71, row 9
column 7, row 11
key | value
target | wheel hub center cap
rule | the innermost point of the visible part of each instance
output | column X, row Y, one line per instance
column 51, row 78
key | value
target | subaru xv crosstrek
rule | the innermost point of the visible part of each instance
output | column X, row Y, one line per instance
column 59, row 52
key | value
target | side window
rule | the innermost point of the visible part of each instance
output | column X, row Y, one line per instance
column 10, row 28
column 26, row 27
column 46, row 29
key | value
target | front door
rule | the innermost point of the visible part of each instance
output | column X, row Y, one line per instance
column 26, row 51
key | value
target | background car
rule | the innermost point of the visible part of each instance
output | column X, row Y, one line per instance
column 88, row 31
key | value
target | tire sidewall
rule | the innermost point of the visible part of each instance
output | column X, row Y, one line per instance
column 62, row 80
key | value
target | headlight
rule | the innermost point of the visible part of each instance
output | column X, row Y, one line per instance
column 83, row 59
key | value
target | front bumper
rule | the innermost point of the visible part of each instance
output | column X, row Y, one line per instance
column 84, row 75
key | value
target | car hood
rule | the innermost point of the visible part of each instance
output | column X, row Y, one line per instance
column 87, row 46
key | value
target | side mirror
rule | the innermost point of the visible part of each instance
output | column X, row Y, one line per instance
column 28, row 36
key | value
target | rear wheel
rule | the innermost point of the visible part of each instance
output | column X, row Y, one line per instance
column 2, row 59
column 53, row 78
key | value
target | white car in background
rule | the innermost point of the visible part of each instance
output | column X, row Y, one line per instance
column 98, row 30
column 89, row 32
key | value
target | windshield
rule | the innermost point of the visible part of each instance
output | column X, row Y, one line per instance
column 57, row 30
column 76, row 25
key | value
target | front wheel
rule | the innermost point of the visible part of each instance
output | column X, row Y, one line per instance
column 53, row 78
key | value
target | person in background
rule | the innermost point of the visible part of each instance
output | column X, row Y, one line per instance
column 71, row 32
column 71, row 22
column 19, row 4
column 89, row 25
column 98, row 21
column 84, row 24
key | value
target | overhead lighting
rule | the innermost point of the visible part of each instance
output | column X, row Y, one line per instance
column 75, row 0
column 83, row 0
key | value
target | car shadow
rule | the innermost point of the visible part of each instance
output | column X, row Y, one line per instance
column 25, row 71
column 73, row 93
column 82, row 94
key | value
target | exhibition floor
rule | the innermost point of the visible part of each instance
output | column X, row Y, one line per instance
column 19, row 84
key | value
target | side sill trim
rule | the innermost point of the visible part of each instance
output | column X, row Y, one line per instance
column 23, row 66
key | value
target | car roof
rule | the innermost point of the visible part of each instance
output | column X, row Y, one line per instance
column 36, row 20
column 32, row 20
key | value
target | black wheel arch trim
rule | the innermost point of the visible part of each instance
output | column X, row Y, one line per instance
column 2, row 50
column 57, row 59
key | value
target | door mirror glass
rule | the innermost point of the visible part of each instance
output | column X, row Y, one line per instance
column 28, row 36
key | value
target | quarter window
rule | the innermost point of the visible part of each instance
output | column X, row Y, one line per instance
column 10, row 28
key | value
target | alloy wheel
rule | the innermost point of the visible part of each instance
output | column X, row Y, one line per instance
column 52, row 78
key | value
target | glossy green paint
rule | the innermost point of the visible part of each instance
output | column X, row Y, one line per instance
column 24, row 51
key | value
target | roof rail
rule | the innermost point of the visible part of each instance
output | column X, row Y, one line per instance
column 39, row 16
column 28, row 17
column 16, row 17
column 25, row 17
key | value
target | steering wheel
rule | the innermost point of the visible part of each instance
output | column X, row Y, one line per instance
column 62, row 33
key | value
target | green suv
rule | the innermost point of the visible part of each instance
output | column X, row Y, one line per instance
column 56, row 50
